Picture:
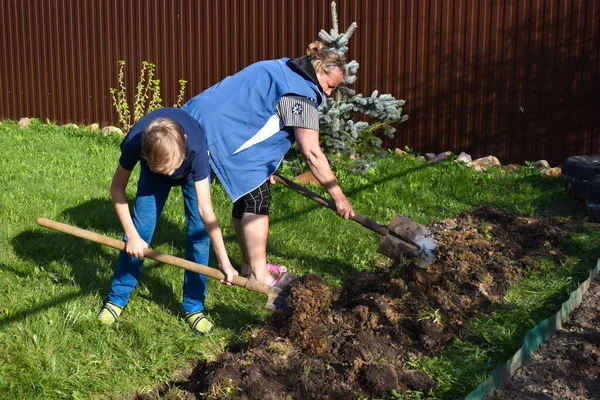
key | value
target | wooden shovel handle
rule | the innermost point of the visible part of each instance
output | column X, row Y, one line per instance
column 367, row 223
column 155, row 255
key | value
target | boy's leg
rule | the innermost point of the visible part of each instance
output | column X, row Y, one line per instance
column 149, row 202
column 197, row 248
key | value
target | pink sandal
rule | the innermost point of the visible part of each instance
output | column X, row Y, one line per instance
column 276, row 269
column 275, row 281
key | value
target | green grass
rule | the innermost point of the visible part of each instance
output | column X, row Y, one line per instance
column 52, row 284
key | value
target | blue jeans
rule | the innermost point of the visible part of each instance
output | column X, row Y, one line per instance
column 149, row 202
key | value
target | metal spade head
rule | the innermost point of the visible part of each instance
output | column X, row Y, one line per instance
column 406, row 238
column 278, row 293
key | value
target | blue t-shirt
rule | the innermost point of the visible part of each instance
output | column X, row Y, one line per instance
column 194, row 168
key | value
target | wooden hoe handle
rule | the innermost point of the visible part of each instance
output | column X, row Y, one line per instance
column 155, row 255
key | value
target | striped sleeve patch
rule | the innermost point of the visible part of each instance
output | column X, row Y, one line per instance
column 298, row 112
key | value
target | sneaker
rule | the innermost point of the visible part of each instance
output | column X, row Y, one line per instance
column 198, row 323
column 109, row 313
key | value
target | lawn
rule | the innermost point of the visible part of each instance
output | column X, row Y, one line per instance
column 52, row 284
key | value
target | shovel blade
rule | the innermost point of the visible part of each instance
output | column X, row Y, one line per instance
column 278, row 293
column 408, row 239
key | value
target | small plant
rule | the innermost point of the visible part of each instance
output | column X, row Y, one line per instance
column 485, row 231
column 433, row 315
column 147, row 97
column 225, row 388
column 279, row 348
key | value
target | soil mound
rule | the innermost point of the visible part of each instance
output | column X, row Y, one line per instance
column 338, row 344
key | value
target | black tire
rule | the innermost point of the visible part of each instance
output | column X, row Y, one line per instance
column 577, row 172
column 592, row 198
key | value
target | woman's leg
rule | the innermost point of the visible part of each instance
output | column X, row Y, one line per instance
column 251, row 224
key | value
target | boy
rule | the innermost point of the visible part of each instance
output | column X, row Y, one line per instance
column 172, row 151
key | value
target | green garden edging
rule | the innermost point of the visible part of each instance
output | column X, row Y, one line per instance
column 533, row 338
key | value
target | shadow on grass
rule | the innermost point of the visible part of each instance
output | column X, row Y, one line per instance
column 348, row 192
column 40, row 308
column 51, row 251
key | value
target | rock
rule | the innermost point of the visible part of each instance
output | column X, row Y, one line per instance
column 94, row 127
column 429, row 156
column 24, row 122
column 111, row 129
column 307, row 177
column 399, row 152
column 71, row 126
column 440, row 157
column 484, row 162
column 551, row 172
column 541, row 164
column 421, row 158
column 464, row 157
column 511, row 168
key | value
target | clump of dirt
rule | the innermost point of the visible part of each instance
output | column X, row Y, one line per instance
column 338, row 344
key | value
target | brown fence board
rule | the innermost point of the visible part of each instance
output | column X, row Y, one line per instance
column 515, row 78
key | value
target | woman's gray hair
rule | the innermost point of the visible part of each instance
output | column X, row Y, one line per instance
column 325, row 60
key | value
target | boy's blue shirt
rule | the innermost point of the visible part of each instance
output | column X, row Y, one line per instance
column 195, row 167
column 246, row 141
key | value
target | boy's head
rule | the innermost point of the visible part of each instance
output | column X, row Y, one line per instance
column 163, row 145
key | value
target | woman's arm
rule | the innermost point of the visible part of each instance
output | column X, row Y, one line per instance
column 308, row 144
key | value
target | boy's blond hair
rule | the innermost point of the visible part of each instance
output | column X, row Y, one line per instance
column 163, row 145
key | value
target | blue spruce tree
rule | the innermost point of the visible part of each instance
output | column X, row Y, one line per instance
column 351, row 145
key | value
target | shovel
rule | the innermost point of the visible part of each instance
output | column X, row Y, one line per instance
column 277, row 294
column 401, row 238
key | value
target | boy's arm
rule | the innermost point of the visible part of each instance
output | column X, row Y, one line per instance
column 308, row 144
column 209, row 219
column 135, row 245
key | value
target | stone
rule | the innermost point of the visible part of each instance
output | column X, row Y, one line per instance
column 71, row 126
column 440, row 157
column 511, row 168
column 464, row 157
column 24, row 122
column 399, row 152
column 111, row 129
column 484, row 162
column 421, row 158
column 430, row 156
column 551, row 172
column 94, row 127
column 541, row 164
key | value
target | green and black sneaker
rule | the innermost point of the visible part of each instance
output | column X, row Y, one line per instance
column 109, row 313
column 198, row 323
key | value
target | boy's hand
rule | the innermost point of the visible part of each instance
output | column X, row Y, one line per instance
column 135, row 247
column 229, row 272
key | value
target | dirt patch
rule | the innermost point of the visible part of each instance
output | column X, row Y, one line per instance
column 339, row 344
column 567, row 366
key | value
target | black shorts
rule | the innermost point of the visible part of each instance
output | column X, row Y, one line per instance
column 257, row 201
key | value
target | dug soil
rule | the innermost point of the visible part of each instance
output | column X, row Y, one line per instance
column 356, row 340
column 567, row 366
